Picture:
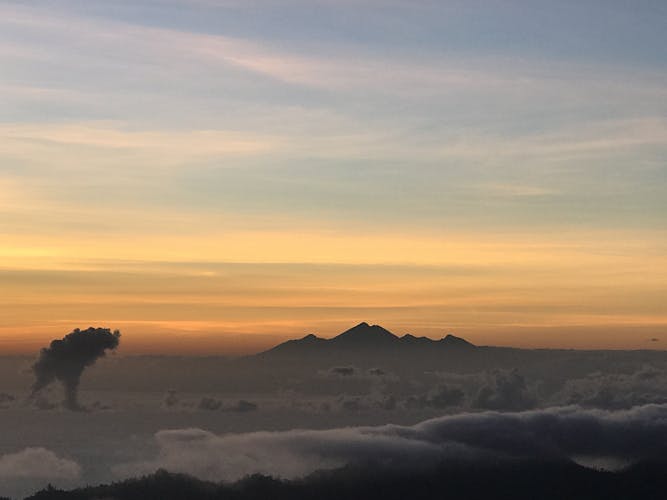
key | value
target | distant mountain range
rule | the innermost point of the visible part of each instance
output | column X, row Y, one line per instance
column 364, row 337
column 368, row 346
column 307, row 364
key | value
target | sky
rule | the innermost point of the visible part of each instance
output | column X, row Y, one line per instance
column 224, row 173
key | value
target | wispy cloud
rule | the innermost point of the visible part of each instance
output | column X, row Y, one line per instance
column 160, row 145
column 416, row 134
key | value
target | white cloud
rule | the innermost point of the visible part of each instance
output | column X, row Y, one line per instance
column 552, row 433
column 37, row 463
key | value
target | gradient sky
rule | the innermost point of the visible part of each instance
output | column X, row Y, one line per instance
column 212, row 174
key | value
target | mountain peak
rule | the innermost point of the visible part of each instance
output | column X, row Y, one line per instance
column 454, row 341
column 367, row 339
column 411, row 339
column 364, row 333
column 309, row 342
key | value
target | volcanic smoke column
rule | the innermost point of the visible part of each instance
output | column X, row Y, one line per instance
column 67, row 358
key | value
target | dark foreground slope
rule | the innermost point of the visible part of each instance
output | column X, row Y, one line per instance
column 504, row 480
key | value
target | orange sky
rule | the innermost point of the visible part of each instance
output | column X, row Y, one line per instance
column 568, row 290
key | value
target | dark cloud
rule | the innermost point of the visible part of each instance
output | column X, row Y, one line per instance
column 350, row 403
column 415, row 402
column 388, row 403
column 504, row 390
column 171, row 399
column 439, row 397
column 6, row 400
column 615, row 390
column 208, row 403
column 100, row 406
column 244, row 406
column 43, row 403
column 343, row 371
column 370, row 376
column 444, row 397
column 66, row 359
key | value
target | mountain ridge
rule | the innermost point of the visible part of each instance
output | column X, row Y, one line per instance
column 364, row 336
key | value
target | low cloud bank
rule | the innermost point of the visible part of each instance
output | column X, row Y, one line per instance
column 37, row 463
column 556, row 433
column 612, row 391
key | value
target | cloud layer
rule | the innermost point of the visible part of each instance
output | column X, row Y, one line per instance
column 557, row 433
column 37, row 463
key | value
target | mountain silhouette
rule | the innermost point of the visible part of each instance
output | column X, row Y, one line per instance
column 366, row 348
column 515, row 479
column 365, row 335
column 365, row 342
column 454, row 341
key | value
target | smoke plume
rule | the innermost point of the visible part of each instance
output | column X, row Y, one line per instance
column 66, row 359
